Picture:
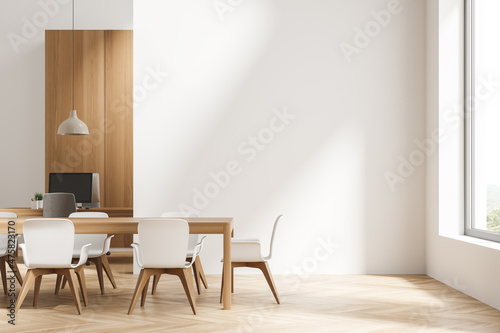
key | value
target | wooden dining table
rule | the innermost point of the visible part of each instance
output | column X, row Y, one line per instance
column 128, row 225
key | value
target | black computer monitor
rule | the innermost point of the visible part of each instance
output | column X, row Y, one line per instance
column 80, row 184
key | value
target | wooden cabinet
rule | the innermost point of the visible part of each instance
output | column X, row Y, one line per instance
column 103, row 76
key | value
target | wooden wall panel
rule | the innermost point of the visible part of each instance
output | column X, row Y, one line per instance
column 74, row 153
column 119, row 120
column 58, row 96
column 103, row 100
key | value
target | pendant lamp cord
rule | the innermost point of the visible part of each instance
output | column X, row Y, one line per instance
column 73, row 54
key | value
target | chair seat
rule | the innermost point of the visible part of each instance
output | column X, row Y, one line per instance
column 247, row 253
column 243, row 240
column 100, row 244
column 54, row 266
column 92, row 253
column 4, row 241
column 47, row 249
column 246, row 250
column 162, row 249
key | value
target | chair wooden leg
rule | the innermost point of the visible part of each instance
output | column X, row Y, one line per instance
column 190, row 280
column 107, row 269
column 156, row 279
column 58, row 284
column 72, row 280
column 64, row 277
column 63, row 282
column 81, row 280
column 141, row 282
column 232, row 279
column 196, row 277
column 144, row 293
column 29, row 278
column 264, row 267
column 98, row 265
column 15, row 269
column 187, row 282
column 202, row 273
column 4, row 274
column 38, row 282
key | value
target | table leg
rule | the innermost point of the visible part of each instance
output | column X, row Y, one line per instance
column 226, row 289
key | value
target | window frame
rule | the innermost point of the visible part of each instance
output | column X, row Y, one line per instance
column 469, row 123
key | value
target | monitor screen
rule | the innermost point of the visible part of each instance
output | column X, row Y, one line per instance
column 80, row 184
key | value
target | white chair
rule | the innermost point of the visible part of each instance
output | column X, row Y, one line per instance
column 97, row 251
column 48, row 249
column 162, row 250
column 4, row 254
column 247, row 253
column 194, row 240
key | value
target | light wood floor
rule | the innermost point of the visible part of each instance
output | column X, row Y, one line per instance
column 315, row 303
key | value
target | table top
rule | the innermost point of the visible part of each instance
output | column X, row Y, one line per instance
column 126, row 225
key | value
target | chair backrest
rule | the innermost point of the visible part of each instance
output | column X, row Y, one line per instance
column 8, row 215
column 179, row 214
column 58, row 204
column 4, row 238
column 89, row 214
column 163, row 243
column 272, row 237
column 97, row 240
column 48, row 242
column 194, row 239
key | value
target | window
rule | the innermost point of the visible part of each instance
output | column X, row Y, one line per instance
column 482, row 121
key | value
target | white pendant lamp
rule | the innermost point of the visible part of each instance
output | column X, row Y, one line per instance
column 73, row 125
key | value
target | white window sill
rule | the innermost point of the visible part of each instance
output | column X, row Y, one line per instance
column 476, row 241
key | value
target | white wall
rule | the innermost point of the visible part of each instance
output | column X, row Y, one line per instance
column 325, row 170
column 22, row 82
column 464, row 263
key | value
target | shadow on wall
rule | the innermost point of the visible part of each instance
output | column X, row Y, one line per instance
column 274, row 121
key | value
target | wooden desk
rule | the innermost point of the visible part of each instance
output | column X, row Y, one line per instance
column 128, row 225
column 111, row 211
